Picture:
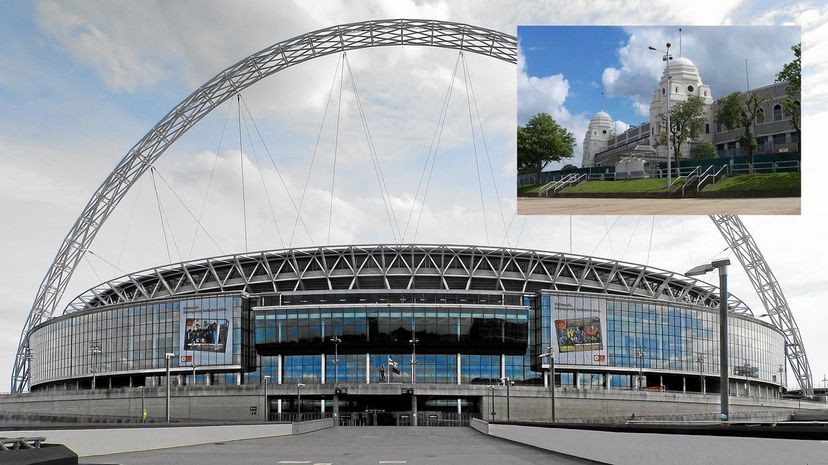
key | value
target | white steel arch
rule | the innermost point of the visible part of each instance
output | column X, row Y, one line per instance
column 770, row 293
column 225, row 84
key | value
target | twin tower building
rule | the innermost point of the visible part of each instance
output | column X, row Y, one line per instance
column 604, row 147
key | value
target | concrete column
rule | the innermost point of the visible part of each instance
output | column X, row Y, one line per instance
column 336, row 410
column 279, row 406
column 502, row 365
column 577, row 379
column 322, row 404
column 459, row 370
column 367, row 368
column 459, row 406
column 414, row 410
column 684, row 384
column 607, row 381
column 279, row 370
column 324, row 360
column 546, row 379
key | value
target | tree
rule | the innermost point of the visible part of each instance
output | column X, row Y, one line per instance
column 737, row 111
column 703, row 151
column 569, row 167
column 686, row 123
column 541, row 142
column 792, row 74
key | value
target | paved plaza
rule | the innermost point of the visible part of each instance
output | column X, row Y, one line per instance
column 688, row 206
column 354, row 446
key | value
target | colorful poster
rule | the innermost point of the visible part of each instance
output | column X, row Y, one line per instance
column 205, row 334
column 579, row 334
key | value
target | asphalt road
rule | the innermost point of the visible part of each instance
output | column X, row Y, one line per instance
column 353, row 446
column 688, row 206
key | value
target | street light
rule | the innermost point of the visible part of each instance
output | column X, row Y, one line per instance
column 493, row 405
column 720, row 265
column 507, row 381
column 336, row 340
column 780, row 370
column 299, row 400
column 639, row 357
column 94, row 350
column 747, row 367
column 551, row 355
column 168, row 356
column 702, row 386
column 413, row 343
column 666, row 59
column 266, row 402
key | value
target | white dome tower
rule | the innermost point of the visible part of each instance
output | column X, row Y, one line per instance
column 684, row 81
column 600, row 130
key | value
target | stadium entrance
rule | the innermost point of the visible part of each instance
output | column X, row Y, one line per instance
column 380, row 410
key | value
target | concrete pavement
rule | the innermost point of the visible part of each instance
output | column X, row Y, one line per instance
column 354, row 446
column 686, row 206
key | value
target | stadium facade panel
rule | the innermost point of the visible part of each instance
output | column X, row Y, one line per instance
column 405, row 313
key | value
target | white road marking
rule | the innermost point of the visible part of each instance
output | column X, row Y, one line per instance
column 393, row 461
column 294, row 461
column 319, row 463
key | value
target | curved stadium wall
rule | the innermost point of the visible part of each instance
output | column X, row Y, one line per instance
column 478, row 314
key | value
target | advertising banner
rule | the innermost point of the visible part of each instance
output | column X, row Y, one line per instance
column 205, row 334
column 579, row 329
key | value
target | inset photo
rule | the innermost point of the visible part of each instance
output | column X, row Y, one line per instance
column 667, row 120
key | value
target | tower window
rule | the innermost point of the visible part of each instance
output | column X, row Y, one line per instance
column 663, row 91
column 690, row 89
column 707, row 128
column 604, row 131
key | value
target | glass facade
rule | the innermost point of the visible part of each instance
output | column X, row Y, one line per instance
column 135, row 339
column 597, row 340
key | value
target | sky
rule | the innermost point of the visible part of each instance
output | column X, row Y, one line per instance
column 582, row 62
column 81, row 82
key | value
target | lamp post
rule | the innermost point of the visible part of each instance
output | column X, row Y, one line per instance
column 266, row 402
column 720, row 265
column 299, row 400
column 413, row 343
column 168, row 356
column 747, row 367
column 639, row 357
column 702, row 385
column 551, row 355
column 336, row 340
column 666, row 58
column 780, row 370
column 493, row 404
column 507, row 381
column 94, row 350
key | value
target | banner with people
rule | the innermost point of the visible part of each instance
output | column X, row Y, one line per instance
column 205, row 334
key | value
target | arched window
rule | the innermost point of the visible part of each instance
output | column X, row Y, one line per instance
column 760, row 116
column 777, row 112
column 707, row 128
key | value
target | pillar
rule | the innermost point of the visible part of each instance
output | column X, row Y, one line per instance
column 367, row 368
column 279, row 370
column 684, row 384
column 607, row 381
column 414, row 410
column 577, row 380
column 336, row 410
column 324, row 368
column 459, row 370
column 502, row 365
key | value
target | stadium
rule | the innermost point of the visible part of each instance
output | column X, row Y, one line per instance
column 457, row 317
column 375, row 334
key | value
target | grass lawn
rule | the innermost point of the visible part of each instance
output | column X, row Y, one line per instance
column 757, row 181
column 530, row 188
column 620, row 187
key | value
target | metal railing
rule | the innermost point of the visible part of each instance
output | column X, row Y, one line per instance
column 713, row 177
column 7, row 444
column 786, row 166
column 569, row 180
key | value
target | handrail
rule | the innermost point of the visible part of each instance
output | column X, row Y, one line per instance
column 715, row 176
column 575, row 179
